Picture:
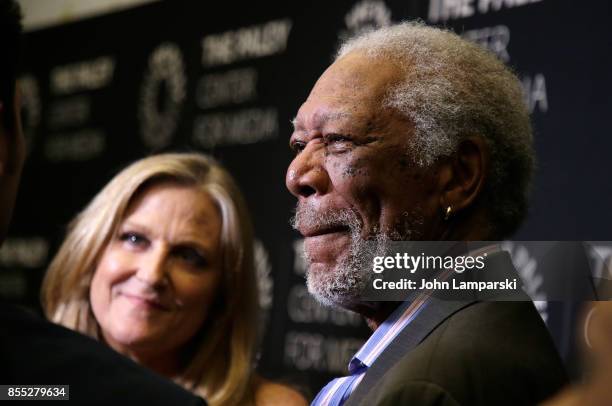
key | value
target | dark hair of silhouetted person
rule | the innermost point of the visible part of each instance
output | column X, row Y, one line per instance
column 10, row 49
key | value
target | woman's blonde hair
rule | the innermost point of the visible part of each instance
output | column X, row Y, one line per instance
column 221, row 367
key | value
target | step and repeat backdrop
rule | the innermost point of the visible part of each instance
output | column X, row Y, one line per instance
column 227, row 80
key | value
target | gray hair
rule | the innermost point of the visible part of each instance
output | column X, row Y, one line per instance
column 452, row 89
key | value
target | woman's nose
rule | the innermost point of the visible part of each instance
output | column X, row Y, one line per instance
column 153, row 267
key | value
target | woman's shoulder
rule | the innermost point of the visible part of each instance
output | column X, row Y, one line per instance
column 268, row 393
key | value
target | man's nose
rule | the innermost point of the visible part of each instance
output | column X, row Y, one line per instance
column 153, row 267
column 306, row 174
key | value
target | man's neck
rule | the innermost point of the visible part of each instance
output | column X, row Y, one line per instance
column 375, row 313
column 473, row 227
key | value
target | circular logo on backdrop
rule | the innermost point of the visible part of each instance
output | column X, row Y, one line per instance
column 30, row 108
column 265, row 286
column 162, row 95
column 263, row 270
column 365, row 16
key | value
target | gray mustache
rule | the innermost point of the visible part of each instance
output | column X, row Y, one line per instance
column 307, row 217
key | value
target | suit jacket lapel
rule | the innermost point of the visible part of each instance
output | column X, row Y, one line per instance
column 434, row 313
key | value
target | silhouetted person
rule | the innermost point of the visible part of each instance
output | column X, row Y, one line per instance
column 33, row 351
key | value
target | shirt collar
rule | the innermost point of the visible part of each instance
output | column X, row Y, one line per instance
column 384, row 334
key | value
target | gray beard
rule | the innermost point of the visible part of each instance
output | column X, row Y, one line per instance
column 344, row 284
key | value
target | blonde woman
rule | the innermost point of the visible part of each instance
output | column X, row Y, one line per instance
column 159, row 266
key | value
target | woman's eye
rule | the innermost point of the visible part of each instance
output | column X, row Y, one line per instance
column 190, row 256
column 134, row 239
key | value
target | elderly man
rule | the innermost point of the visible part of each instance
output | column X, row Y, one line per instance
column 33, row 351
column 414, row 133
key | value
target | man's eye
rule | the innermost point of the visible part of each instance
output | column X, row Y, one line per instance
column 191, row 256
column 134, row 239
column 298, row 146
column 338, row 142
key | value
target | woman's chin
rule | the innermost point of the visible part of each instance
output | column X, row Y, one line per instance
column 132, row 340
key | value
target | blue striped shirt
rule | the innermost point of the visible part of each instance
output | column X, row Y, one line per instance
column 338, row 390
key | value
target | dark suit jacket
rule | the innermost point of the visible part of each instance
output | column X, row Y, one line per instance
column 33, row 351
column 466, row 353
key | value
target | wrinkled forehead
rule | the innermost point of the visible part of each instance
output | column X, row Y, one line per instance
column 195, row 205
column 351, row 88
column 315, row 116
column 357, row 74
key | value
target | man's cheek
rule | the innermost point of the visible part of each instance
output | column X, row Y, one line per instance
column 348, row 167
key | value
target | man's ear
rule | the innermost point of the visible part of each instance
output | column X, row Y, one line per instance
column 461, row 177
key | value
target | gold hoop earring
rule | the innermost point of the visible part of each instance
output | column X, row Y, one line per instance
column 449, row 210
